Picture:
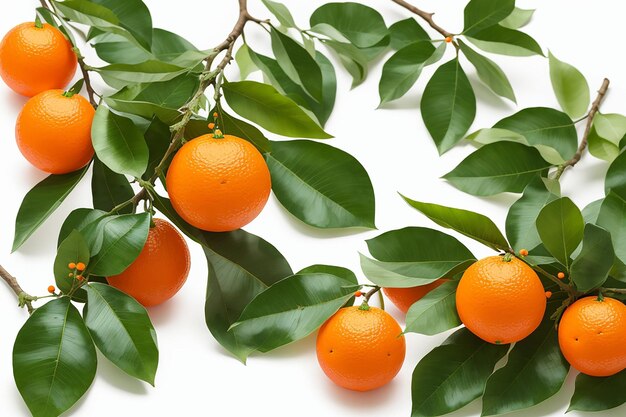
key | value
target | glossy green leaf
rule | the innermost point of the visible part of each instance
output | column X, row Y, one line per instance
column 486, row 136
column 73, row 249
column 534, row 372
column 476, row 226
column 41, row 201
column 435, row 312
column 115, row 48
column 281, row 12
column 605, row 136
column 260, row 103
column 338, row 271
column 230, row 125
column 598, row 394
column 108, row 189
column 244, row 61
column 118, row 143
column 360, row 24
column 448, row 105
column 489, row 72
column 405, row 32
column 133, row 16
column 453, row 374
column 403, row 69
column 353, row 59
column 157, row 137
column 290, row 310
column 560, row 225
column 615, row 180
column 570, row 87
column 173, row 48
column 122, row 331
column 77, row 220
column 504, row 41
column 611, row 217
column 481, row 14
column 92, row 14
column 591, row 267
column 496, row 168
column 54, row 359
column 520, row 220
column 304, row 179
column 592, row 211
column 550, row 131
column 518, row 18
column 121, row 75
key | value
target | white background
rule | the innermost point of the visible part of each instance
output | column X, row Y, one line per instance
column 196, row 376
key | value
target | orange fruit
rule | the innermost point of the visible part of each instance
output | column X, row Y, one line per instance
column 592, row 336
column 500, row 299
column 403, row 298
column 34, row 59
column 161, row 268
column 359, row 349
column 53, row 132
column 218, row 184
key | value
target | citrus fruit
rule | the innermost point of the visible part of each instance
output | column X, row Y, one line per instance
column 500, row 299
column 53, row 131
column 403, row 298
column 360, row 349
column 592, row 336
column 34, row 59
column 161, row 268
column 218, row 184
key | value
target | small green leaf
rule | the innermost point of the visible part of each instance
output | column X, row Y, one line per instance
column 598, row 394
column 570, row 87
column 591, row 267
column 481, row 14
column 405, row 32
column 518, row 18
column 122, row 330
column 73, row 249
column 615, row 180
column 281, row 12
column 304, row 177
column 41, row 201
column 611, row 217
column 244, row 62
column 109, row 189
column 134, row 16
column 592, row 211
column 473, row 225
column 260, row 103
column 77, row 220
column 121, row 75
column 54, row 359
column 504, row 41
column 453, row 374
column 560, row 225
column 435, row 312
column 354, row 60
column 448, row 105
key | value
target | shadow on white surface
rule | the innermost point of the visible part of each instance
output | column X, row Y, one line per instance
column 117, row 378
column 354, row 400
column 163, row 313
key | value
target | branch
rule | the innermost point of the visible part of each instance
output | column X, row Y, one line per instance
column 23, row 297
column 428, row 18
column 595, row 107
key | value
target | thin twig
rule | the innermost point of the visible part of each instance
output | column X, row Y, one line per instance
column 22, row 296
column 614, row 290
column 371, row 292
column 428, row 17
column 595, row 107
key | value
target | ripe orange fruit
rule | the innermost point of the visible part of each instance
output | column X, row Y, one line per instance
column 34, row 59
column 592, row 336
column 53, row 132
column 218, row 184
column 500, row 299
column 359, row 349
column 161, row 268
column 403, row 298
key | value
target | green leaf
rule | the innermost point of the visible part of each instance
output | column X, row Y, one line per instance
column 520, row 220
column 122, row 330
column 453, row 374
column 290, row 310
column 281, row 12
column 260, row 103
column 157, row 137
column 518, row 18
column 298, row 64
column 615, row 180
column 611, row 217
column 598, row 394
column 109, row 189
column 481, row 14
column 570, row 87
column 606, row 133
column 504, row 41
column 170, row 47
column 560, row 225
column 77, row 220
column 73, row 249
column 304, row 179
column 489, row 72
column 448, row 105
column 54, row 360
column 473, row 225
column 496, row 168
column 354, row 60
column 92, row 14
column 232, row 126
column 244, row 61
column 41, row 201
column 338, row 271
column 118, row 143
column 405, row 32
column 402, row 70
column 120, row 75
column 360, row 24
column 133, row 16
column 435, row 312
column 534, row 372
column 591, row 267
column 550, row 131
column 592, row 211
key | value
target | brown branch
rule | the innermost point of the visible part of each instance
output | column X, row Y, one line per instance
column 23, row 297
column 595, row 107
column 371, row 292
column 90, row 91
column 428, row 17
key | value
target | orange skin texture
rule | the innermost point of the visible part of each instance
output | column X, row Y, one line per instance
column 53, row 132
column 361, row 350
column 404, row 298
column 161, row 268
column 35, row 59
column 501, row 302
column 218, row 185
column 592, row 336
